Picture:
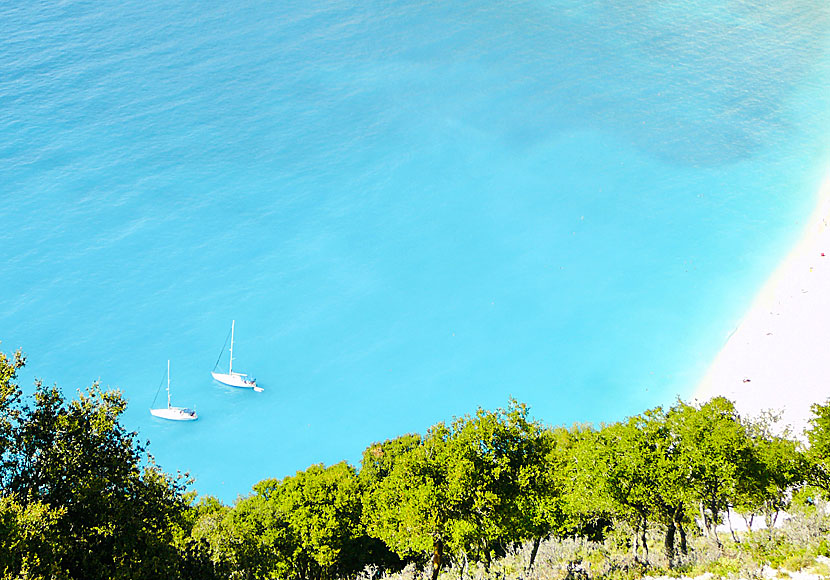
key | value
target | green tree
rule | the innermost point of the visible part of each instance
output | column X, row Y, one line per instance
column 250, row 540
column 323, row 509
column 379, row 458
column 306, row 527
column 670, row 500
column 29, row 545
column 10, row 398
column 458, row 491
column 105, row 505
column 777, row 467
column 619, row 474
column 586, row 514
column 118, row 514
column 716, row 452
column 818, row 452
column 543, row 479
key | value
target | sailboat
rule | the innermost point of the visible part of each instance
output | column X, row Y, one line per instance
column 171, row 412
column 231, row 378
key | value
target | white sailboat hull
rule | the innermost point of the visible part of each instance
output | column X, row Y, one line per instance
column 235, row 380
column 170, row 412
column 175, row 414
column 230, row 378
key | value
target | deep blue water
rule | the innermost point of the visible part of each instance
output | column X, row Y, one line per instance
column 410, row 208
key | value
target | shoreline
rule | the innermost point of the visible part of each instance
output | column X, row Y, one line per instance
column 778, row 357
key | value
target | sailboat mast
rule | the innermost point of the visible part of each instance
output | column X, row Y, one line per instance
column 230, row 370
column 168, row 383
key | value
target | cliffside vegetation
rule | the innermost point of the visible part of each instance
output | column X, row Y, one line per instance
column 493, row 493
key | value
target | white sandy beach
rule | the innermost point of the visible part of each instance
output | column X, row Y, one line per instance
column 779, row 356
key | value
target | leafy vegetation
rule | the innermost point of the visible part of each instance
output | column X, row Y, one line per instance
column 80, row 496
column 492, row 494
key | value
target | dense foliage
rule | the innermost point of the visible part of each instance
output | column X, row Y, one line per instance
column 81, row 498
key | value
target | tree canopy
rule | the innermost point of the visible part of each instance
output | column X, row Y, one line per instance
column 80, row 496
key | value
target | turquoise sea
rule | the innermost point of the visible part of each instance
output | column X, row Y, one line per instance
column 410, row 208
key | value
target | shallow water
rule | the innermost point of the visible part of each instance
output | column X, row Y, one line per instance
column 410, row 208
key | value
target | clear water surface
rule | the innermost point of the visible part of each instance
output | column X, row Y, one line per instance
column 410, row 208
